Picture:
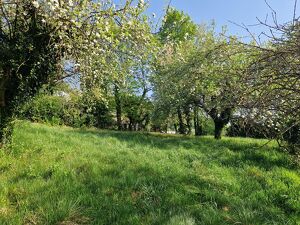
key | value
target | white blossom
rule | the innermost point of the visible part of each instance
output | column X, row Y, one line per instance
column 36, row 4
column 71, row 3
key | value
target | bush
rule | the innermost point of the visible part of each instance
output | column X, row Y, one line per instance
column 55, row 110
column 68, row 108
column 44, row 109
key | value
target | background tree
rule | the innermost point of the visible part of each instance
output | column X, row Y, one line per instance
column 218, row 72
column 176, row 27
column 275, row 82
column 204, row 73
column 177, row 30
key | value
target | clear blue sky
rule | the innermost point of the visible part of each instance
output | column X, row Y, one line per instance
column 223, row 11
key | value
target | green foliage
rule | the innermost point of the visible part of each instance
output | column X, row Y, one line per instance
column 96, row 109
column 41, row 39
column 103, row 115
column 54, row 110
column 208, row 126
column 28, row 56
column 138, row 110
column 105, row 177
column 45, row 108
column 206, row 72
column 177, row 26
column 68, row 107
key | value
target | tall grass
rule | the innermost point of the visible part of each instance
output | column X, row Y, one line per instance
column 59, row 175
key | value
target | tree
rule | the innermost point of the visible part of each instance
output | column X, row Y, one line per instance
column 28, row 57
column 177, row 30
column 177, row 27
column 122, row 68
column 206, row 73
column 171, row 93
column 38, row 39
column 275, row 82
column 218, row 71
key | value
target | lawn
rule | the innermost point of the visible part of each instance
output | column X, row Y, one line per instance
column 65, row 176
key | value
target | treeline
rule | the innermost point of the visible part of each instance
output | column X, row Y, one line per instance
column 64, row 105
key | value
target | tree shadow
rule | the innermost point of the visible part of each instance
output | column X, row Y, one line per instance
column 230, row 151
column 116, row 192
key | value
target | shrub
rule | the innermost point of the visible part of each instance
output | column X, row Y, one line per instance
column 44, row 109
column 53, row 109
column 68, row 108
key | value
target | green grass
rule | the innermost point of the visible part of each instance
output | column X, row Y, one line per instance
column 59, row 175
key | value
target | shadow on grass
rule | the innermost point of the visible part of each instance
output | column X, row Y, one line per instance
column 243, row 151
column 135, row 196
column 210, row 187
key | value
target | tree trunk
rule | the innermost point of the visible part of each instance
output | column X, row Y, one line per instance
column 3, row 121
column 147, row 122
column 188, row 120
column 175, row 127
column 219, row 125
column 220, row 120
column 6, row 128
column 181, row 128
column 118, row 107
column 130, row 125
column 197, row 125
column 5, row 110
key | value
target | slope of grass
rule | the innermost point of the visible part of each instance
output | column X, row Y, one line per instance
column 59, row 175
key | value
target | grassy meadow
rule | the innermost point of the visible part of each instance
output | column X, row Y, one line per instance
column 59, row 175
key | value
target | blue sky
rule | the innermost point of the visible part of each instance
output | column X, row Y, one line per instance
column 223, row 11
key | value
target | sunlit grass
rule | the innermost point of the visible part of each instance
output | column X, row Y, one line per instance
column 59, row 175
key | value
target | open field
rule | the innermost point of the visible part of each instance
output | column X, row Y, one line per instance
column 60, row 175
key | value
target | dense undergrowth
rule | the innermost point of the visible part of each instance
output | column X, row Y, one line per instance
column 60, row 175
